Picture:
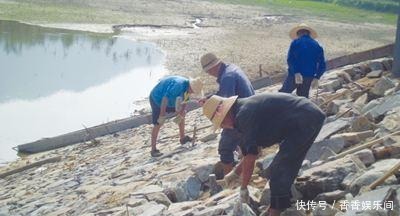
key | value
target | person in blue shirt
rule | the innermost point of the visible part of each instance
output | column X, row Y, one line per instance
column 306, row 61
column 232, row 81
column 171, row 95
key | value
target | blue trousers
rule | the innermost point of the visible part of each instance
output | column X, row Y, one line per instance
column 301, row 90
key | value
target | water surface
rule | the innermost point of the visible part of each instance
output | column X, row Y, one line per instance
column 56, row 81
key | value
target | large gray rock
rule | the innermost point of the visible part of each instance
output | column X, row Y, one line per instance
column 381, row 86
column 352, row 138
column 183, row 208
column 334, row 106
column 375, row 198
column 331, row 86
column 373, row 173
column 318, row 148
column 149, row 209
column 370, row 105
column 325, row 178
column 366, row 156
column 193, row 187
column 388, row 64
column 376, row 65
column 331, row 197
column 385, row 105
column 375, row 74
column 160, row 198
column 204, row 170
column 362, row 123
column 391, row 122
column 332, row 127
column 213, row 211
column 326, row 210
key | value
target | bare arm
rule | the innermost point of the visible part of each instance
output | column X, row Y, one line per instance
column 247, row 167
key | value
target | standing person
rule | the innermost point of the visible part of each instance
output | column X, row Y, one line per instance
column 171, row 95
column 263, row 120
column 305, row 60
column 232, row 81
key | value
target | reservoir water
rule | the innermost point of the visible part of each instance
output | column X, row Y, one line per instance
column 55, row 81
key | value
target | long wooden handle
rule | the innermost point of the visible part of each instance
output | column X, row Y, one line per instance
column 29, row 166
column 363, row 146
column 384, row 177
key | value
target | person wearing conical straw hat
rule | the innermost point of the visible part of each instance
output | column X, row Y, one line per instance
column 263, row 120
column 232, row 81
column 171, row 95
column 306, row 61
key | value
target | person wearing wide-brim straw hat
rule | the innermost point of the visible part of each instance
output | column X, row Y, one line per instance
column 232, row 81
column 306, row 61
column 302, row 26
column 171, row 95
column 263, row 120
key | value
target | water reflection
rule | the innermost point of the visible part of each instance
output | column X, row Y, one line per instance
column 55, row 81
column 32, row 56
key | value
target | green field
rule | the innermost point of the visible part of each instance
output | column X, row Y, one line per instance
column 62, row 11
column 322, row 8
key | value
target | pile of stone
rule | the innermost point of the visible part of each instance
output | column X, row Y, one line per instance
column 115, row 174
column 357, row 146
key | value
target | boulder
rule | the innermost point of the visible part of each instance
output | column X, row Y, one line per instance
column 159, row 198
column 334, row 106
column 373, row 173
column 376, row 65
column 150, row 209
column 387, row 63
column 366, row 156
column 324, row 178
column 213, row 211
column 332, row 127
column 352, row 138
column 381, row 86
column 361, row 102
column 318, row 148
column 326, row 210
column 361, row 123
column 391, row 122
column 331, row 86
column 331, row 197
column 374, row 203
column 385, row 105
column 349, row 179
column 375, row 74
column 204, row 169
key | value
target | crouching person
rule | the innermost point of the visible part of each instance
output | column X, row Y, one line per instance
column 171, row 95
column 263, row 120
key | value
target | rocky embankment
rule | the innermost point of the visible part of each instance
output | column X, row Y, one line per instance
column 115, row 175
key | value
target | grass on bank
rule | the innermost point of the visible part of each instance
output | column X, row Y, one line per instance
column 75, row 12
column 58, row 13
column 322, row 9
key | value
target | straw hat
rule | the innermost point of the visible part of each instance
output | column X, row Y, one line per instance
column 223, row 105
column 196, row 85
column 293, row 32
column 209, row 61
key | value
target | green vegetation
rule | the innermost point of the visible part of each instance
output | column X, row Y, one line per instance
column 388, row 6
column 319, row 8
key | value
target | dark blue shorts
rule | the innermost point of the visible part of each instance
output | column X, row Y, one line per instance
column 155, row 111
